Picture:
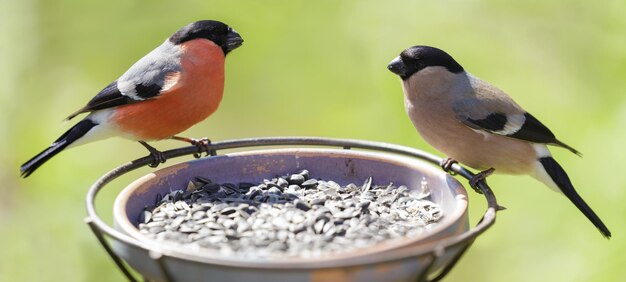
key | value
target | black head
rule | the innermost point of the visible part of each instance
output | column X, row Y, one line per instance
column 417, row 58
column 218, row 32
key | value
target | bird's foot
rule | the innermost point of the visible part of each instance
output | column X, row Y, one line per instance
column 481, row 176
column 157, row 156
column 446, row 165
column 203, row 145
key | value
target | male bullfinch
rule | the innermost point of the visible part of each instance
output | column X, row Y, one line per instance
column 177, row 85
column 478, row 124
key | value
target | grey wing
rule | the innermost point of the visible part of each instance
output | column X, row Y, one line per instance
column 491, row 110
column 148, row 76
column 485, row 116
column 143, row 80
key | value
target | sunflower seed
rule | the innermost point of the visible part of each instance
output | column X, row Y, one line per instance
column 302, row 205
column 367, row 185
column 304, row 173
column 296, row 179
column 202, row 179
column 147, row 216
column 176, row 222
column 318, row 201
column 319, row 226
column 282, row 183
column 293, row 215
column 309, row 183
column 275, row 190
column 228, row 210
column 245, row 186
column 211, row 187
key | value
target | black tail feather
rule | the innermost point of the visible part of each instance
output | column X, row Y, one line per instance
column 558, row 175
column 77, row 131
column 563, row 145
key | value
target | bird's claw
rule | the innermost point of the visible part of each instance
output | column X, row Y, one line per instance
column 446, row 165
column 204, row 146
column 481, row 176
column 157, row 156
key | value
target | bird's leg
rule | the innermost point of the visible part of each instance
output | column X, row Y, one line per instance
column 480, row 177
column 446, row 165
column 157, row 156
column 203, row 145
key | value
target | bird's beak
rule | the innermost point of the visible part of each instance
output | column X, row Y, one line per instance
column 397, row 66
column 233, row 40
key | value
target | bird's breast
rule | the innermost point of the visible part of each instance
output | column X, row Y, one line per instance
column 187, row 98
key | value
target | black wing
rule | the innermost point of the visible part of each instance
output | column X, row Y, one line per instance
column 492, row 123
column 533, row 130
column 111, row 96
column 530, row 129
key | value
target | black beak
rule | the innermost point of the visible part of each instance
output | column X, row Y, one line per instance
column 233, row 40
column 397, row 66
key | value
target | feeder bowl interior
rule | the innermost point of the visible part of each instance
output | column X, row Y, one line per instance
column 403, row 260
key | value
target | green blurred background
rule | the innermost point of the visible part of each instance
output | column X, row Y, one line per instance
column 319, row 68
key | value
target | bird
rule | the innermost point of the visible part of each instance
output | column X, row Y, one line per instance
column 479, row 125
column 173, row 87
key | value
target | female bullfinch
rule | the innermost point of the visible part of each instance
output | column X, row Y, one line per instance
column 478, row 124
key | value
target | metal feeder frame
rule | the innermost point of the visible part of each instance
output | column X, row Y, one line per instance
column 465, row 240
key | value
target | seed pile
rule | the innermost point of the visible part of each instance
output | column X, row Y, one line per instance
column 292, row 215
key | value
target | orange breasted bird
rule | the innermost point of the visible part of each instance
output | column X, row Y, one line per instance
column 175, row 86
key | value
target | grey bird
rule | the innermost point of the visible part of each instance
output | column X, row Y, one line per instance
column 478, row 124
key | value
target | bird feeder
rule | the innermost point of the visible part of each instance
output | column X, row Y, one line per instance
column 427, row 257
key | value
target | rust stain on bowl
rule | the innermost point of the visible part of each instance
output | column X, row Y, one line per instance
column 263, row 166
column 334, row 274
column 389, row 270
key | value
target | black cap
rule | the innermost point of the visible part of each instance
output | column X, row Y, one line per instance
column 417, row 58
column 218, row 32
